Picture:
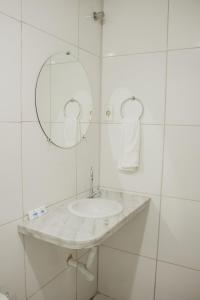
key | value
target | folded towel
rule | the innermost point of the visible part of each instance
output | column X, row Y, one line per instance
column 129, row 158
column 72, row 131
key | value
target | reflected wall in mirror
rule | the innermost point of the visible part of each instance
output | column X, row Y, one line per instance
column 63, row 100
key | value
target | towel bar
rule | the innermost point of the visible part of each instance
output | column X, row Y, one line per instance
column 71, row 101
column 131, row 99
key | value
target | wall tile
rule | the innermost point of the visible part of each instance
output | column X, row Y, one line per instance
column 183, row 87
column 11, row 8
column 147, row 178
column 179, row 229
column 181, row 162
column 88, row 156
column 86, row 289
column 10, row 172
column 46, row 46
column 140, row 235
column 12, row 276
column 89, row 29
column 62, row 287
column 134, row 26
column 49, row 173
column 59, row 18
column 141, row 75
column 177, row 283
column 43, row 262
column 92, row 65
column 10, row 69
column 125, row 276
column 184, row 24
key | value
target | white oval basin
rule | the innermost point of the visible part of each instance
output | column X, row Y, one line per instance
column 95, row 208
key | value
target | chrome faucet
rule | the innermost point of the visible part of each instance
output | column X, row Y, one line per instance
column 92, row 193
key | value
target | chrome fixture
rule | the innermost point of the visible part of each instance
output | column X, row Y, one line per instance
column 84, row 268
column 99, row 16
column 72, row 101
column 131, row 99
column 92, row 193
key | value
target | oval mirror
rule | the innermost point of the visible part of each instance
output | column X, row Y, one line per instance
column 63, row 100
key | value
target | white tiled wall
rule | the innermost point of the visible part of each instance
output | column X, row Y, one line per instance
column 151, row 51
column 32, row 171
column 126, row 276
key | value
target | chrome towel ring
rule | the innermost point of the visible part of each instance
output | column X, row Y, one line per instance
column 131, row 99
column 72, row 101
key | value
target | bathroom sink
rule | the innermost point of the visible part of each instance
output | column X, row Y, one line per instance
column 62, row 227
column 95, row 208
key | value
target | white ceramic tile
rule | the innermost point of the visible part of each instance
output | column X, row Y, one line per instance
column 177, row 283
column 88, row 156
column 134, row 26
column 184, row 24
column 92, row 65
column 10, row 172
column 181, row 162
column 86, row 289
column 43, row 262
column 179, row 232
column 140, row 235
column 49, row 173
column 59, row 18
column 147, row 178
column 10, row 69
column 183, row 87
column 46, row 46
column 62, row 287
column 12, row 277
column 11, row 8
column 125, row 276
column 142, row 76
column 90, row 30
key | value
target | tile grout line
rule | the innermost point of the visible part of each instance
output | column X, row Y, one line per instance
column 149, row 194
column 128, row 252
column 150, row 52
column 150, row 258
column 163, row 151
column 59, row 38
column 21, row 218
column 48, row 282
column 109, row 123
column 21, row 150
column 76, row 148
column 20, row 20
column 100, row 130
column 88, row 51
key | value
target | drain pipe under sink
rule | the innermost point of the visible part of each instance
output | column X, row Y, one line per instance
column 83, row 268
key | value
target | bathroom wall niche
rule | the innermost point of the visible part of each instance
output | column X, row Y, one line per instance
column 63, row 100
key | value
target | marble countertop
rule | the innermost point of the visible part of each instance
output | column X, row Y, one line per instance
column 64, row 229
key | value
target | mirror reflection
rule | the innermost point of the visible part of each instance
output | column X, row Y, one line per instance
column 63, row 100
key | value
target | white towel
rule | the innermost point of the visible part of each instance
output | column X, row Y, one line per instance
column 129, row 158
column 72, row 132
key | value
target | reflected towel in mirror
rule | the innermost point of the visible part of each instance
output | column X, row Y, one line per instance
column 72, row 131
